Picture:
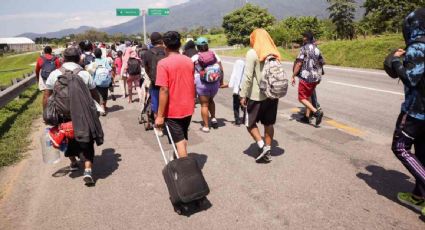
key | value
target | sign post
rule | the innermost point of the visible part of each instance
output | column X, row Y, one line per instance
column 144, row 27
column 136, row 12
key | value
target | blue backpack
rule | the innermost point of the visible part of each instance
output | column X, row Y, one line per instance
column 102, row 77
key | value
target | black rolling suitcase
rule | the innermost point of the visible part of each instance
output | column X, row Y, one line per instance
column 185, row 182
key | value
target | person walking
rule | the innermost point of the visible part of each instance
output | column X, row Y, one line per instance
column 308, row 68
column 150, row 62
column 102, row 77
column 408, row 66
column 175, row 77
column 85, row 122
column 207, row 90
column 236, row 82
column 259, row 108
column 46, row 64
column 134, row 72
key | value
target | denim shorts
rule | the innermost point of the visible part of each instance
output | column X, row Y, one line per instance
column 154, row 94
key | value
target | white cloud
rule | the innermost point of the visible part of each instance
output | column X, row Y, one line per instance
column 41, row 22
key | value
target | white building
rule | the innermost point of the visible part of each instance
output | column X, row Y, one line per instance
column 17, row 44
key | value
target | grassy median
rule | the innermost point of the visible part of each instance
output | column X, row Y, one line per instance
column 14, row 66
column 17, row 116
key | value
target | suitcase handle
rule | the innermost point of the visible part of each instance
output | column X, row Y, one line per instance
column 160, row 144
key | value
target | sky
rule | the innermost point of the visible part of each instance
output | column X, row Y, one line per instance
column 40, row 16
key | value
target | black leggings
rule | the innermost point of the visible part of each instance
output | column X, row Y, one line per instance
column 236, row 106
column 410, row 131
column 75, row 148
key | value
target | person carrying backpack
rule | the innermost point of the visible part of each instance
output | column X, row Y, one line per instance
column 408, row 66
column 134, row 71
column 208, row 79
column 87, row 57
column 150, row 62
column 77, row 90
column 46, row 64
column 259, row 108
column 308, row 68
column 102, row 77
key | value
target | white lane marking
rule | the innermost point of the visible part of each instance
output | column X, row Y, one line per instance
column 367, row 88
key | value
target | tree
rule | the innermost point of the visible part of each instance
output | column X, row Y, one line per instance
column 388, row 15
column 342, row 15
column 239, row 24
column 290, row 30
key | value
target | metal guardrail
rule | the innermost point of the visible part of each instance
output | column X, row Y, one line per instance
column 18, row 86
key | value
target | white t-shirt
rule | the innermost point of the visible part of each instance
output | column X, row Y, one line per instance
column 53, row 77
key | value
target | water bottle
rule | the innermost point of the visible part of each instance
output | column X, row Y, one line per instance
column 51, row 155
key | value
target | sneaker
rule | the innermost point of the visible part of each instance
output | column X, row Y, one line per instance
column 74, row 166
column 205, row 129
column 305, row 120
column 319, row 116
column 88, row 179
column 408, row 199
column 237, row 121
column 160, row 133
column 264, row 151
column 214, row 123
column 268, row 157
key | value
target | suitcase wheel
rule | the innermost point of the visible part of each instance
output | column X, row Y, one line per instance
column 177, row 209
column 180, row 208
column 202, row 202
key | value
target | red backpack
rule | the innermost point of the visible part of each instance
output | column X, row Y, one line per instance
column 206, row 59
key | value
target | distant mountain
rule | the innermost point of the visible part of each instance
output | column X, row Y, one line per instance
column 58, row 34
column 209, row 14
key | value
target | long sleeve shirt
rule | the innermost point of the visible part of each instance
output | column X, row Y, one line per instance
column 252, row 76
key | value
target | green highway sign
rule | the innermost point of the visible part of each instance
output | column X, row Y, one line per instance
column 128, row 12
column 159, row 12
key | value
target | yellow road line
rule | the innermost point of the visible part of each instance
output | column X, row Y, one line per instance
column 346, row 128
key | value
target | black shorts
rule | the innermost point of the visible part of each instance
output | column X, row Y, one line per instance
column 75, row 148
column 179, row 128
column 103, row 91
column 261, row 111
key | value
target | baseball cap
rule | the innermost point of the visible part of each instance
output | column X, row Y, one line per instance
column 202, row 41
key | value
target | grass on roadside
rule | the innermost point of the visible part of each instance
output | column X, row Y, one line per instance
column 216, row 40
column 22, row 62
column 16, row 119
column 361, row 53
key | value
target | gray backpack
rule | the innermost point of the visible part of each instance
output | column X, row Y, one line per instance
column 274, row 83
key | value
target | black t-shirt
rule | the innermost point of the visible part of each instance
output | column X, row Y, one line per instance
column 149, row 61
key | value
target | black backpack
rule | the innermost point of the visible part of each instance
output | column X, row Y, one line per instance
column 58, row 108
column 49, row 65
column 158, row 54
column 88, row 58
column 134, row 66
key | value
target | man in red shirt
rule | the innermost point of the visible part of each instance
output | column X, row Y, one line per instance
column 46, row 64
column 175, row 76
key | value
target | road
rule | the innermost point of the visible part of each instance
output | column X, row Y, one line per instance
column 339, row 176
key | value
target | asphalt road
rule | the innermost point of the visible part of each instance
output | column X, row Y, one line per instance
column 339, row 176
